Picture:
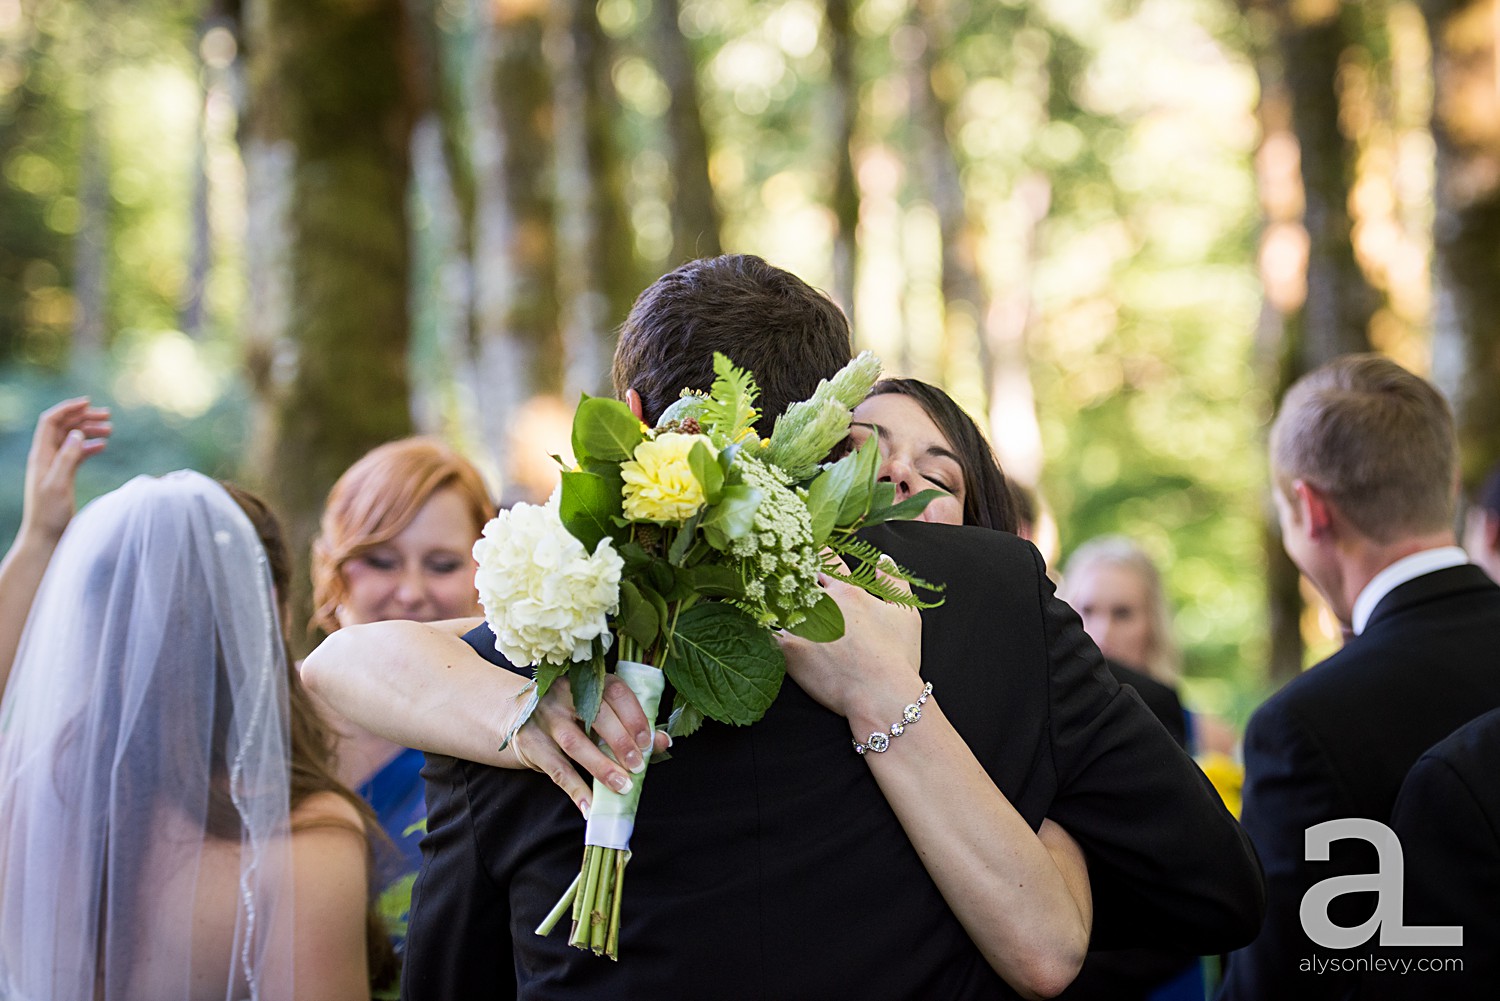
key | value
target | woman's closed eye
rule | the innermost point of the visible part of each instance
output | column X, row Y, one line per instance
column 445, row 564
column 379, row 560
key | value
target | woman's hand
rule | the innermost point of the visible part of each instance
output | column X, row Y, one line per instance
column 873, row 669
column 554, row 738
column 65, row 436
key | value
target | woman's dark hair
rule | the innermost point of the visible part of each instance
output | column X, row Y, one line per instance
column 989, row 498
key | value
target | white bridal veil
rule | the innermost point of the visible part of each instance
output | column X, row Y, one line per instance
column 144, row 761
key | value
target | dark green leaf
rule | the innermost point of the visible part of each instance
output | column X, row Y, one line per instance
column 684, row 720
column 713, row 581
column 824, row 622
column 705, row 466
column 905, row 511
column 683, row 541
column 724, row 663
column 586, row 679
column 605, row 429
column 638, row 617
column 586, row 507
column 546, row 674
column 661, row 576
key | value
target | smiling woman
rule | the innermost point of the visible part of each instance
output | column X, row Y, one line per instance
column 396, row 542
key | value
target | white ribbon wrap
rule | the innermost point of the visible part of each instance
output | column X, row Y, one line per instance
column 612, row 817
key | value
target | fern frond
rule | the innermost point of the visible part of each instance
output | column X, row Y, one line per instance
column 871, row 570
column 730, row 407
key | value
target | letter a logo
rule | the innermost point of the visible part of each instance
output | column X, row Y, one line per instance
column 1388, row 884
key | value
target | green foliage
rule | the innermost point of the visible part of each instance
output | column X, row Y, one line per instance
column 146, row 439
column 725, row 663
column 729, row 411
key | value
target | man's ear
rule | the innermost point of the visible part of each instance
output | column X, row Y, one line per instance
column 633, row 401
column 1314, row 507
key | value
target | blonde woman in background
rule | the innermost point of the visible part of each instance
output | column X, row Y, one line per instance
column 1117, row 590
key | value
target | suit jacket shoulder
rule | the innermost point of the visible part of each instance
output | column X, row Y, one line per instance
column 1447, row 822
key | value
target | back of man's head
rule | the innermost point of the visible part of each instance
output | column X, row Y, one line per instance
column 786, row 333
column 1376, row 440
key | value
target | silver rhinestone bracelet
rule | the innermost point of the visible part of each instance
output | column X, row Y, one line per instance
column 878, row 741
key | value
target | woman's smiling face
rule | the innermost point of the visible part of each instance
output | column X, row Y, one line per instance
column 914, row 455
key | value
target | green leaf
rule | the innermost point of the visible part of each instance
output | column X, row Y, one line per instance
column 683, row 541
column 730, row 408
column 638, row 617
column 823, row 505
column 586, row 507
column 586, row 678
column 684, row 721
column 705, row 466
column 905, row 511
column 824, row 622
column 546, row 673
column 734, row 516
column 724, row 663
column 713, row 580
column 605, row 429
column 661, row 576
column 864, row 464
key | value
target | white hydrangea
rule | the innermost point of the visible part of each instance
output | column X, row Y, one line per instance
column 545, row 597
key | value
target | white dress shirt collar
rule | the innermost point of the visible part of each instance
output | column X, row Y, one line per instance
column 1398, row 573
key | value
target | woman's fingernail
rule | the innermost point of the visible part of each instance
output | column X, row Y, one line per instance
column 668, row 736
column 621, row 783
column 635, row 762
column 643, row 740
column 583, row 808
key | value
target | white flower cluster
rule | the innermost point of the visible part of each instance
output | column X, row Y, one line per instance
column 544, row 595
column 777, row 557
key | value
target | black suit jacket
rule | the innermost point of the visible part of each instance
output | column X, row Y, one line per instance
column 767, row 863
column 1161, row 699
column 1338, row 740
column 1447, row 819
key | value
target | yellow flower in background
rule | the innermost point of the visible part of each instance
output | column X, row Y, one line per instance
column 1227, row 776
column 659, row 483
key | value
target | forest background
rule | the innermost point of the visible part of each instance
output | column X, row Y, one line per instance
column 274, row 233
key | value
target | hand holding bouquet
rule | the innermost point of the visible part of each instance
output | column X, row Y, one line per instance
column 691, row 544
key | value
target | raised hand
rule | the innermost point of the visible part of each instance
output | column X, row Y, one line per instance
column 66, row 435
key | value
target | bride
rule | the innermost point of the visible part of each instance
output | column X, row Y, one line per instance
column 169, row 826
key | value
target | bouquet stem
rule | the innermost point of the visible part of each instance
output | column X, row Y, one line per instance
column 594, row 897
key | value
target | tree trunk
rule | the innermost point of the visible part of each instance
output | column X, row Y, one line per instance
column 598, row 279
column 519, row 349
column 91, row 245
column 1319, row 301
column 327, row 139
column 843, row 99
column 695, row 214
column 1466, row 226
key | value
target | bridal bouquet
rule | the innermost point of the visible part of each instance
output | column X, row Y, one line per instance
column 689, row 545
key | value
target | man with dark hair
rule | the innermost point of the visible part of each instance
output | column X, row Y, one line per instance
column 774, row 862
column 765, row 320
column 1364, row 470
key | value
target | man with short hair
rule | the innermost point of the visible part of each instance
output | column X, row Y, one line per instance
column 1364, row 474
column 772, row 861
